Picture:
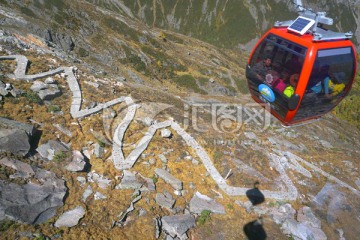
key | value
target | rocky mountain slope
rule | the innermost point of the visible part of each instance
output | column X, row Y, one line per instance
column 111, row 129
column 229, row 23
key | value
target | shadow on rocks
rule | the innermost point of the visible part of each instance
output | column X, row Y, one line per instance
column 254, row 230
column 255, row 195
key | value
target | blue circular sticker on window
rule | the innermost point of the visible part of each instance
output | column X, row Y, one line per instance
column 267, row 92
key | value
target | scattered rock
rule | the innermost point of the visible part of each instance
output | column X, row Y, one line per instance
column 157, row 227
column 49, row 94
column 302, row 230
column 148, row 121
column 51, row 148
column 202, row 202
column 78, row 162
column 50, row 80
column 70, row 218
column 11, row 124
column 279, row 215
column 38, row 85
column 357, row 182
column 101, row 181
column 166, row 133
column 62, row 129
column 168, row 178
column 129, row 181
column 88, row 191
column 99, row 196
column 162, row 158
column 46, row 91
column 165, row 200
column 148, row 184
column 123, row 215
column 306, row 215
column 81, row 180
column 98, row 150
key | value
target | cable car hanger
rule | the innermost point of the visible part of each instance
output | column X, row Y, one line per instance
column 319, row 18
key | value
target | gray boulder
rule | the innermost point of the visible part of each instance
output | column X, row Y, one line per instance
column 165, row 200
column 178, row 225
column 50, row 93
column 302, row 230
column 15, row 141
column 46, row 91
column 201, row 202
column 15, row 137
column 51, row 148
column 8, row 123
column 129, row 181
column 38, row 85
column 32, row 203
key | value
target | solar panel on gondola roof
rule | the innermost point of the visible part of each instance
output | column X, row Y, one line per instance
column 301, row 25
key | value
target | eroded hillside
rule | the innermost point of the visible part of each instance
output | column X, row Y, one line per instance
column 152, row 134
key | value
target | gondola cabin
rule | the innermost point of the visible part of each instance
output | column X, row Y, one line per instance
column 300, row 70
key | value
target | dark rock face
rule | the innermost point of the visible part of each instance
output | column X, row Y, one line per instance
column 32, row 203
column 62, row 40
column 15, row 136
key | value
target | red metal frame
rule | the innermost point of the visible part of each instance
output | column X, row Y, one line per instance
column 313, row 47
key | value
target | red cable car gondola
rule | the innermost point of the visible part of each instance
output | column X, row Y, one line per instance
column 312, row 69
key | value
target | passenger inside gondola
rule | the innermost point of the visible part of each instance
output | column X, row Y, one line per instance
column 262, row 68
column 290, row 89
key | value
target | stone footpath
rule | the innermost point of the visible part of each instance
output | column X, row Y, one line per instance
column 120, row 162
column 279, row 160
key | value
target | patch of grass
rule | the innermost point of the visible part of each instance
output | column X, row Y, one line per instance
column 230, row 206
column 349, row 108
column 155, row 179
column 83, row 52
column 203, row 81
column 59, row 4
column 188, row 81
column 40, row 236
column 176, row 39
column 204, row 216
column 60, row 156
column 5, row 225
column 27, row 11
column 33, row 97
column 53, row 108
column 242, row 86
column 137, row 63
column 121, row 27
column 218, row 155
column 101, row 143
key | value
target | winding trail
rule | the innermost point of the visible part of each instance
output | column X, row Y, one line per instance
column 121, row 162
